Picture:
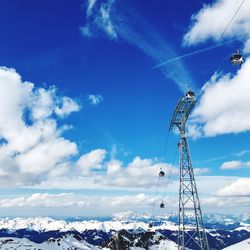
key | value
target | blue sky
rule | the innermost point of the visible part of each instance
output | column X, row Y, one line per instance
column 85, row 113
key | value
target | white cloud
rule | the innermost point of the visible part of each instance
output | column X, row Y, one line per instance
column 201, row 171
column 46, row 155
column 67, row 106
column 240, row 187
column 235, row 165
column 138, row 173
column 72, row 200
column 114, row 167
column 105, row 19
column 32, row 144
column 33, row 150
column 224, row 105
column 100, row 17
column 91, row 171
column 46, row 200
column 212, row 19
column 131, row 201
column 95, row 99
column 91, row 4
column 231, row 165
column 91, row 160
column 230, row 203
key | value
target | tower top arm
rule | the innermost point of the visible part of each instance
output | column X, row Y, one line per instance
column 182, row 111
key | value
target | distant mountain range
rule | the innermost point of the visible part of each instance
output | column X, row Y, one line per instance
column 128, row 229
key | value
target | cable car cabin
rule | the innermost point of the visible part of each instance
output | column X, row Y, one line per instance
column 190, row 95
column 150, row 225
column 236, row 59
column 161, row 174
column 162, row 205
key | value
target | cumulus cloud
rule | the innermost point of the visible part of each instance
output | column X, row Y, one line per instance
column 231, row 165
column 201, row 171
column 94, row 171
column 66, row 107
column 138, row 173
column 95, row 99
column 46, row 200
column 228, row 202
column 31, row 142
column 224, row 105
column 91, row 160
column 240, row 187
column 33, row 150
column 72, row 200
column 232, row 196
column 205, row 23
column 234, row 165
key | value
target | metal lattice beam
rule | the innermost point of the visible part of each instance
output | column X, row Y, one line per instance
column 192, row 235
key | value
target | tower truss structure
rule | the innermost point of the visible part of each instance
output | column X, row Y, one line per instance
column 191, row 234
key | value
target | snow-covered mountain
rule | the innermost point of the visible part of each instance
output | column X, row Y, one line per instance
column 69, row 242
column 42, row 233
column 243, row 245
column 127, row 240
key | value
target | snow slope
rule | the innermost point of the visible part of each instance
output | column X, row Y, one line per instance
column 68, row 242
column 243, row 245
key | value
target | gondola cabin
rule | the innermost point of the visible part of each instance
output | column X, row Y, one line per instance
column 161, row 174
column 190, row 95
column 236, row 59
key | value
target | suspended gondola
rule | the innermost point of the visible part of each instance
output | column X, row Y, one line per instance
column 236, row 58
column 162, row 205
column 161, row 174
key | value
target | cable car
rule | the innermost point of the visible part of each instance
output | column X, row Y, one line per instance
column 236, row 58
column 162, row 205
column 190, row 94
column 161, row 174
column 150, row 225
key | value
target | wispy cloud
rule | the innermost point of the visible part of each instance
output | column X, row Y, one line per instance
column 242, row 153
column 119, row 23
column 95, row 99
column 99, row 18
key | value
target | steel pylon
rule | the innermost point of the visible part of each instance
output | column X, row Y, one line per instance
column 190, row 234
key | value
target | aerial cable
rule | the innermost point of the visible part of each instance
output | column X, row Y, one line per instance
column 231, row 21
column 166, row 185
column 156, row 194
column 169, row 176
column 196, row 52
column 208, row 48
